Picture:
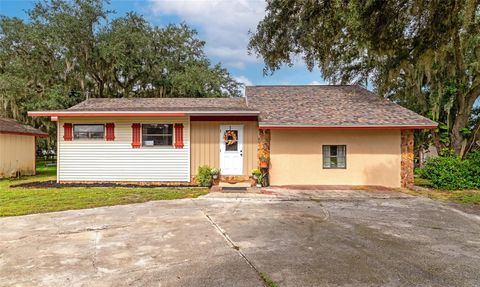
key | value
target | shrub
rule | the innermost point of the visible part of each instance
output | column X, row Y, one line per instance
column 474, row 168
column 445, row 172
column 451, row 172
column 204, row 176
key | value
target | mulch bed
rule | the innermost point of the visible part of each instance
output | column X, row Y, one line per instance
column 54, row 184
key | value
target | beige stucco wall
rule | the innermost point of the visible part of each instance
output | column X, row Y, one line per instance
column 373, row 157
column 17, row 154
column 205, row 144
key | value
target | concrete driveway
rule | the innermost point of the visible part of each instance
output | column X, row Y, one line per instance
column 297, row 238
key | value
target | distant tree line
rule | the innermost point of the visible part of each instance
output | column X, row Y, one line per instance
column 70, row 50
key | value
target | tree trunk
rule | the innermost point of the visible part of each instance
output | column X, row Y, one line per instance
column 475, row 139
column 465, row 106
column 458, row 142
column 437, row 143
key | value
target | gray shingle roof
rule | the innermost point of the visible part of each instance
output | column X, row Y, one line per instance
column 162, row 104
column 11, row 126
column 309, row 106
column 327, row 105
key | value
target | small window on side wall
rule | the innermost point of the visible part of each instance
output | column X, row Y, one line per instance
column 334, row 156
column 88, row 132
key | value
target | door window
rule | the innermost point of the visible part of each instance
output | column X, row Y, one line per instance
column 231, row 140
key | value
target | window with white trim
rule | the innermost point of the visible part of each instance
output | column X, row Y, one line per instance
column 157, row 135
column 88, row 131
column 334, row 156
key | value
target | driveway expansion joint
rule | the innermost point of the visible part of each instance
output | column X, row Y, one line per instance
column 230, row 242
column 95, row 250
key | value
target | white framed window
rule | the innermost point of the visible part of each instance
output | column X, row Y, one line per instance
column 334, row 156
column 157, row 135
column 88, row 131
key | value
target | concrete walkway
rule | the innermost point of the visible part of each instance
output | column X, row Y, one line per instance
column 319, row 238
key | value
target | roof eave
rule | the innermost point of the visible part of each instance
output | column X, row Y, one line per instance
column 136, row 113
column 38, row 134
column 364, row 127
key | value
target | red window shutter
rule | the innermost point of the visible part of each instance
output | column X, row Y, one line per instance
column 67, row 132
column 178, row 135
column 135, row 135
column 110, row 128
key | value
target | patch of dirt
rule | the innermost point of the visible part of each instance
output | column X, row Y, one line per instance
column 54, row 184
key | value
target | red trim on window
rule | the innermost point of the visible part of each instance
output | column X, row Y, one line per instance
column 110, row 129
column 136, row 135
column 178, row 135
column 67, row 132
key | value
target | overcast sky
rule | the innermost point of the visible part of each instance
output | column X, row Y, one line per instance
column 223, row 24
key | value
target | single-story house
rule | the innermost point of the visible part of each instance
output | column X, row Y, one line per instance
column 17, row 148
column 312, row 135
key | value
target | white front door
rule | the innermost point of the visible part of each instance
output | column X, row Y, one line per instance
column 231, row 149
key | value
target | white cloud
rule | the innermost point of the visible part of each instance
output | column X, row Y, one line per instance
column 245, row 81
column 224, row 24
column 315, row 83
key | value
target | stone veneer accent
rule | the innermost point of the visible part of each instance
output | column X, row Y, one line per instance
column 264, row 137
column 407, row 165
column 263, row 143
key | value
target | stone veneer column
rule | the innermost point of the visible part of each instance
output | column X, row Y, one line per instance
column 263, row 143
column 407, row 165
column 264, row 137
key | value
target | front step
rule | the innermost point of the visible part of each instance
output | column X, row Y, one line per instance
column 245, row 184
column 234, row 187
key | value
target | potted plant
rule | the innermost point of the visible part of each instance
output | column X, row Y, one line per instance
column 264, row 160
column 259, row 180
column 256, row 173
column 215, row 172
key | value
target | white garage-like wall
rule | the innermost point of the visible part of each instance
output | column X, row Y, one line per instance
column 101, row 160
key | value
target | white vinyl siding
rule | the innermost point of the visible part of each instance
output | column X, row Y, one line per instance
column 100, row 160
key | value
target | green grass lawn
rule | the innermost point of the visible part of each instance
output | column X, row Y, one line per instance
column 459, row 196
column 21, row 201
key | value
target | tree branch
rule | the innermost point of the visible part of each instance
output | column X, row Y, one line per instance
column 473, row 94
